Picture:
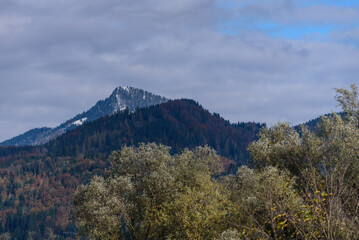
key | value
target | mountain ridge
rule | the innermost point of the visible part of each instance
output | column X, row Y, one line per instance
column 120, row 99
column 181, row 123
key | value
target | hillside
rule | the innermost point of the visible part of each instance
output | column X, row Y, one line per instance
column 178, row 123
column 37, row 183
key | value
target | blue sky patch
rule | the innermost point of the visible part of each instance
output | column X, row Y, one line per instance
column 277, row 30
column 310, row 32
column 262, row 19
column 339, row 3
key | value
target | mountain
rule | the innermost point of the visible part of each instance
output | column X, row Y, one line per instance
column 120, row 99
column 176, row 123
column 28, row 138
column 37, row 182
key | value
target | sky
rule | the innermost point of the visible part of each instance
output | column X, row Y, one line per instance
column 248, row 60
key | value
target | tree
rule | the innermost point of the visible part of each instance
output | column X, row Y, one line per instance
column 265, row 204
column 326, row 164
column 147, row 189
column 196, row 213
column 348, row 100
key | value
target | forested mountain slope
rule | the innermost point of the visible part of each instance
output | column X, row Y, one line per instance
column 37, row 183
column 178, row 123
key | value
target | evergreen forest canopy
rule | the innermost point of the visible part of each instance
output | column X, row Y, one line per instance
column 176, row 123
column 302, row 185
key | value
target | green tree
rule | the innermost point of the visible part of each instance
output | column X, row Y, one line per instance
column 265, row 204
column 150, row 194
column 326, row 164
column 348, row 100
column 197, row 212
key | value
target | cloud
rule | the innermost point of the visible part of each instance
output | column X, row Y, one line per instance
column 59, row 58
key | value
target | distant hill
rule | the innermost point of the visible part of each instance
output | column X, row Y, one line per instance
column 120, row 99
column 313, row 123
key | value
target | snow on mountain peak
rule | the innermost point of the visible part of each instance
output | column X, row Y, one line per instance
column 126, row 89
column 80, row 121
column 120, row 99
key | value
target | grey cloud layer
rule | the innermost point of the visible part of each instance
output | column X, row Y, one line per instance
column 59, row 57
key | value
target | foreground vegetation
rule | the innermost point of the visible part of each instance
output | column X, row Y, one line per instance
column 302, row 185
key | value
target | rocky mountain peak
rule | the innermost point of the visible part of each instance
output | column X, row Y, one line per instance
column 120, row 99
